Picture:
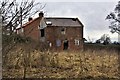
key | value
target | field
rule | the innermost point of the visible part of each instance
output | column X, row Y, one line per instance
column 95, row 62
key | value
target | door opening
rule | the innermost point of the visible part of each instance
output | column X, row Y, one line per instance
column 42, row 32
column 65, row 45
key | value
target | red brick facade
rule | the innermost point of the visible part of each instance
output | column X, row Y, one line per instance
column 30, row 29
column 56, row 36
column 53, row 34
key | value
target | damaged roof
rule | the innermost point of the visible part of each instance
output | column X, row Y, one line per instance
column 59, row 21
column 29, row 22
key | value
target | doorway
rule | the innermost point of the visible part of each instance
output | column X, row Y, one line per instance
column 42, row 32
column 65, row 44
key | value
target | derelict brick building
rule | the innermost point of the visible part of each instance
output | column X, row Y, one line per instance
column 59, row 33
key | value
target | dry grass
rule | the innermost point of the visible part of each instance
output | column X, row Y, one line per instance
column 74, row 64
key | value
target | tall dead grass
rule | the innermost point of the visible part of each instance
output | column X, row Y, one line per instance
column 66, row 64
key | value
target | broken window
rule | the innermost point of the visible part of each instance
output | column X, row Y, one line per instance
column 58, row 43
column 65, row 44
column 48, row 22
column 42, row 32
column 77, row 42
column 22, row 30
column 63, row 31
column 74, row 19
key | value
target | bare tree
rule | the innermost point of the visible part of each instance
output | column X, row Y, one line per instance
column 114, row 18
column 15, row 12
column 105, row 39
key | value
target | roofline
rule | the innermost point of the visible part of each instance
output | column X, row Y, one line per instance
column 80, row 22
column 62, row 26
column 65, row 18
column 60, row 17
column 27, row 23
column 30, row 22
column 24, row 25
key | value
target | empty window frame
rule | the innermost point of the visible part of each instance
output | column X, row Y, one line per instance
column 58, row 42
column 42, row 32
column 77, row 42
column 63, row 31
column 22, row 30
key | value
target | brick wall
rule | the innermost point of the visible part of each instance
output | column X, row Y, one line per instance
column 31, row 30
column 71, row 33
column 54, row 34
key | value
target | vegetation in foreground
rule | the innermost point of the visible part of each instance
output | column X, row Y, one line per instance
column 26, row 60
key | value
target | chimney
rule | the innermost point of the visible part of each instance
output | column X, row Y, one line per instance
column 30, row 18
column 41, row 14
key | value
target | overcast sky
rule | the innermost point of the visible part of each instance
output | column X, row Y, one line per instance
column 91, row 14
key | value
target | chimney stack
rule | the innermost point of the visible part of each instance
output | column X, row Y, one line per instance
column 41, row 14
column 30, row 18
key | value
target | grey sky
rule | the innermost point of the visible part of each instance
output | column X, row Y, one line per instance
column 91, row 14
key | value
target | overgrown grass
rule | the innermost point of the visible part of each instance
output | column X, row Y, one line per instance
column 61, row 64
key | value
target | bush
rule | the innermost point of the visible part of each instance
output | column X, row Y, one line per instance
column 14, row 38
